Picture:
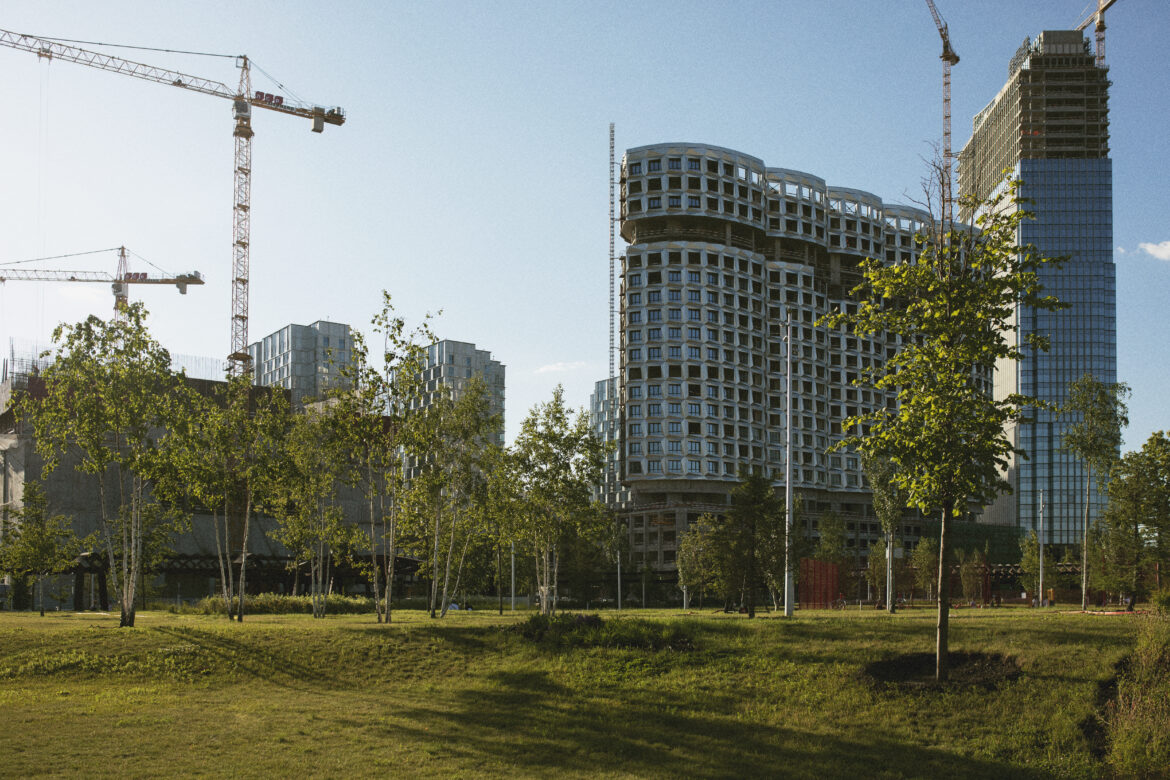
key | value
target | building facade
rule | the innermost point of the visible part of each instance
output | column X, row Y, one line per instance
column 451, row 364
column 304, row 359
column 722, row 250
column 1049, row 126
column 604, row 414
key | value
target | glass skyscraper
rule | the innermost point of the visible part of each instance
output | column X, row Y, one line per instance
column 1049, row 127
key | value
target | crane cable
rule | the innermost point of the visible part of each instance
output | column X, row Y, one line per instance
column 140, row 48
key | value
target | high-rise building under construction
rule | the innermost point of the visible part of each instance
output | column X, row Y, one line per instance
column 1049, row 127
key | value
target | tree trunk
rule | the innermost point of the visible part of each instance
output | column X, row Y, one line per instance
column 374, row 550
column 1085, row 543
column 435, row 558
column 944, row 606
column 891, row 607
column 41, row 590
column 450, row 554
column 499, row 574
column 391, row 553
column 244, row 554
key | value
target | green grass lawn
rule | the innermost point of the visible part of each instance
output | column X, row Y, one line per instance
column 464, row 696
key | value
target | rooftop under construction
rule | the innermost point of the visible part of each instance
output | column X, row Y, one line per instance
column 1054, row 106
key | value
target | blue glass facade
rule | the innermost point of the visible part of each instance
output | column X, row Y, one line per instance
column 1073, row 203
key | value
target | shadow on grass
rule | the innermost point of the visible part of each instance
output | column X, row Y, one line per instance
column 535, row 726
column 251, row 658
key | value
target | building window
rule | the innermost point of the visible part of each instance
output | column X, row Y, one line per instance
column 636, row 410
column 635, row 392
column 635, row 280
column 675, row 427
column 694, row 353
column 693, row 202
column 654, row 467
column 654, row 203
column 675, row 352
column 636, row 353
column 635, row 168
column 654, row 447
column 655, row 391
column 635, row 429
column 693, row 164
column 654, row 353
column 654, row 429
column 675, row 466
column 635, row 336
column 695, row 409
column 674, row 163
column 654, row 410
column 635, row 317
column 635, row 299
column 654, row 315
column 694, row 466
column 674, row 201
column 674, row 409
column 654, row 165
column 674, row 389
column 654, row 334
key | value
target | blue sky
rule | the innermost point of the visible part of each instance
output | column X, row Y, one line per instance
column 471, row 176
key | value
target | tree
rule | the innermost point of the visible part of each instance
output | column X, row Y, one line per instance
column 752, row 527
column 924, row 559
column 955, row 310
column 561, row 460
column 1135, row 537
column 379, row 416
column 1095, row 438
column 1030, row 564
column 39, row 543
column 698, row 559
column 112, row 401
column 888, row 505
column 312, row 525
column 229, row 455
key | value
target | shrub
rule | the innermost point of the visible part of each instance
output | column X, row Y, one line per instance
column 1139, row 742
column 282, row 604
column 1160, row 601
column 571, row 630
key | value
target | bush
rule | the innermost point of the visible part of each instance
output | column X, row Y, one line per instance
column 569, row 630
column 1160, row 601
column 1139, row 742
column 281, row 604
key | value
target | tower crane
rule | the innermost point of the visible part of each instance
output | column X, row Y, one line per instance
column 1098, row 16
column 949, row 58
column 243, row 99
column 118, row 282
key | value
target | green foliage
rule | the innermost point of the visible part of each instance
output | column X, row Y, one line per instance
column 1030, row 562
column 566, row 630
column 924, row 559
column 283, row 604
column 1100, row 413
column 831, row 544
column 559, row 459
column 1135, row 535
column 1136, row 723
column 701, row 565
column 112, row 402
column 956, row 310
column 38, row 543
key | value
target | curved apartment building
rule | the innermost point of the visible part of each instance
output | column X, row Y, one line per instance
column 721, row 249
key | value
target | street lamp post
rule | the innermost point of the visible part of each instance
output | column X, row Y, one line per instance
column 788, row 574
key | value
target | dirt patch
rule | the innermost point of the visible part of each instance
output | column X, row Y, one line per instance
column 916, row 670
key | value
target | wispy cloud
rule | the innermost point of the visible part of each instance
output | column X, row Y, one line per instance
column 1160, row 251
column 560, row 368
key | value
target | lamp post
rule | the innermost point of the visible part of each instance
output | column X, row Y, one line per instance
column 788, row 578
column 1040, row 601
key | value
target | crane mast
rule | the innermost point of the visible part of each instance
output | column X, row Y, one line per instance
column 243, row 99
column 949, row 58
column 1097, row 19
